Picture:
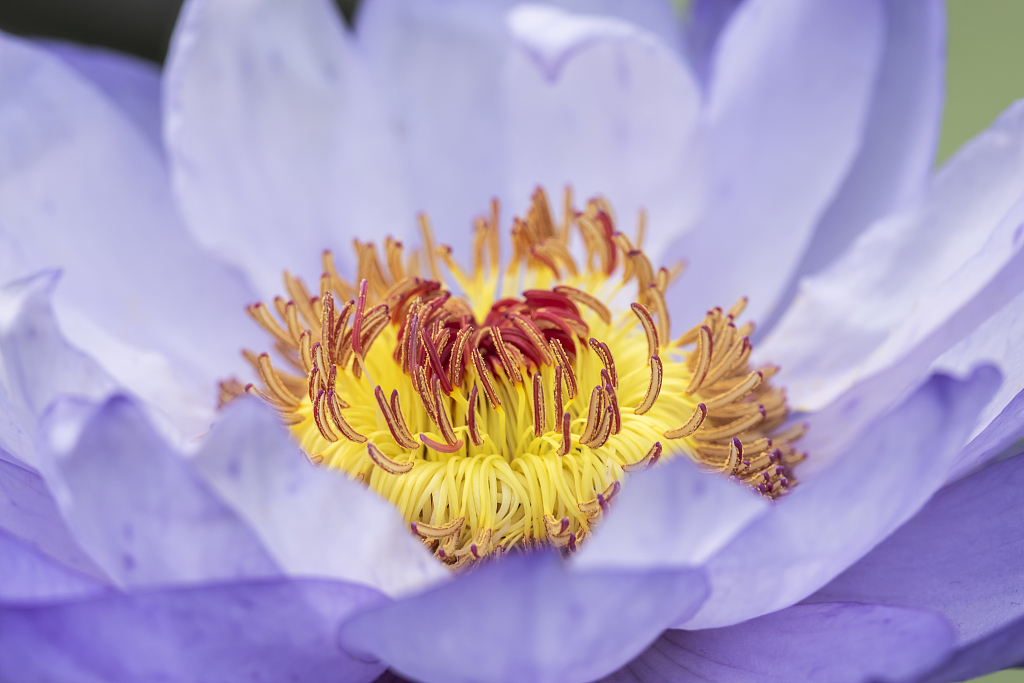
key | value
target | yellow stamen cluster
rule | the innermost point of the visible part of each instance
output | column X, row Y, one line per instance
column 510, row 415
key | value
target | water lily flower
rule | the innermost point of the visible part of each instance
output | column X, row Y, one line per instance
column 533, row 447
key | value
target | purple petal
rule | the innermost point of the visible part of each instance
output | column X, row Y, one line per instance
column 960, row 556
column 900, row 137
column 834, row 518
column 705, row 24
column 789, row 99
column 257, row 468
column 254, row 631
column 29, row 513
column 525, row 618
column 998, row 341
column 276, row 144
column 130, row 83
column 137, row 506
column 28, row 575
column 913, row 285
column 671, row 516
column 1003, row 649
column 657, row 17
column 81, row 189
column 39, row 364
column 837, row 642
column 599, row 104
column 437, row 66
column 440, row 68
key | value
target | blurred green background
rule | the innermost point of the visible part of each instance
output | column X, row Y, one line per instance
column 985, row 69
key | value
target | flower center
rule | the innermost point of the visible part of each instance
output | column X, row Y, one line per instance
column 510, row 415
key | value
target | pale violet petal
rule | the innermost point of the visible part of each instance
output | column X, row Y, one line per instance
column 789, row 98
column 998, row 340
column 26, row 574
column 526, row 618
column 38, row 364
column 866, row 330
column 834, row 518
column 437, row 67
column 136, row 505
column 836, row 642
column 670, row 516
column 30, row 515
column 131, row 83
column 705, row 23
column 313, row 521
column 1001, row 650
column 82, row 190
column 277, row 145
column 900, row 138
column 960, row 556
column 276, row 630
column 843, row 316
column 598, row 104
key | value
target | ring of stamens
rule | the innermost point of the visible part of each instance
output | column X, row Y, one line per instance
column 510, row 416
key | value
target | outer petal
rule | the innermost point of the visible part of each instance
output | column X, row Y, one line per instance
column 789, row 99
column 136, row 505
column 960, row 556
column 132, row 84
column 525, row 618
column 26, row 575
column 834, row 518
column 276, row 145
column 707, row 20
column 81, row 189
column 998, row 340
column 900, row 137
column 39, row 365
column 671, row 516
column 36, row 366
column 836, row 642
column 911, row 287
column 438, row 65
column 254, row 465
column 598, row 104
column 1002, row 650
column 29, row 514
column 254, row 631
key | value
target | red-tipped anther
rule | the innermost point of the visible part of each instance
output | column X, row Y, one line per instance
column 559, row 401
column 357, row 321
column 647, row 461
column 539, row 413
column 566, row 435
column 387, row 464
column 563, row 361
column 441, row 447
column 474, row 428
column 605, row 354
column 401, row 436
column 695, row 421
column 653, row 387
column 588, row 300
column 649, row 328
column 435, row 364
column 704, row 349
